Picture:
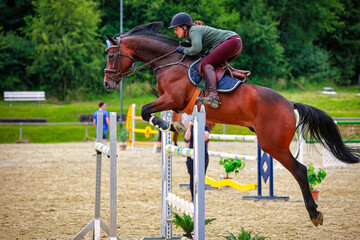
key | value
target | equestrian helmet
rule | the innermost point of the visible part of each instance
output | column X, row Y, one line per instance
column 181, row 18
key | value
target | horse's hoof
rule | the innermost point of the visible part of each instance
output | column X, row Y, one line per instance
column 318, row 220
column 179, row 127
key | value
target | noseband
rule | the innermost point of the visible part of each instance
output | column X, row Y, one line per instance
column 119, row 74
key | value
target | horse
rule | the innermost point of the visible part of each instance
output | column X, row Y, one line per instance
column 261, row 109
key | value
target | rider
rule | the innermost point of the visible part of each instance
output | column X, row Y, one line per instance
column 224, row 46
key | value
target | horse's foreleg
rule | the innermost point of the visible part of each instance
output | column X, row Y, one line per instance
column 148, row 110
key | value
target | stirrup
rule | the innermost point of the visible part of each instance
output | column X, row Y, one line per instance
column 214, row 103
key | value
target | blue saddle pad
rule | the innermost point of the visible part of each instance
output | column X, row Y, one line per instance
column 226, row 84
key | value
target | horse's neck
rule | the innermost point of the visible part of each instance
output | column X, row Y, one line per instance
column 148, row 49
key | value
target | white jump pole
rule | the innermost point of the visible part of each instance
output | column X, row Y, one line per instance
column 199, row 119
column 97, row 224
column 233, row 137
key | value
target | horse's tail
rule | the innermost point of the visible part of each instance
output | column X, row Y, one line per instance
column 322, row 128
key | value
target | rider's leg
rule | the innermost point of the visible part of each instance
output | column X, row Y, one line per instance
column 213, row 98
column 226, row 51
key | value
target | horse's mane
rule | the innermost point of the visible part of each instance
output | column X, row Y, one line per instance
column 151, row 29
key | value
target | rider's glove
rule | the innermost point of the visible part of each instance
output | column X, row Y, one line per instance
column 180, row 49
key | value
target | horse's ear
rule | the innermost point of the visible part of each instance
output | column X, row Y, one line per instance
column 111, row 39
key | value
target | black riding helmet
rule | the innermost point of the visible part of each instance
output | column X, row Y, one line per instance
column 180, row 19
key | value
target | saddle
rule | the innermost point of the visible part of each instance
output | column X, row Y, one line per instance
column 224, row 68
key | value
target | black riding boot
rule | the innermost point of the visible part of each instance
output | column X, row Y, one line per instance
column 213, row 98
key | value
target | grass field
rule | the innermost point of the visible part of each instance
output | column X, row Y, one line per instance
column 344, row 104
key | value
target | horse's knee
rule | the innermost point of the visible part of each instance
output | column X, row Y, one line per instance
column 208, row 67
column 145, row 113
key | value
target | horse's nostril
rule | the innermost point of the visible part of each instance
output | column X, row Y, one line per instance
column 106, row 85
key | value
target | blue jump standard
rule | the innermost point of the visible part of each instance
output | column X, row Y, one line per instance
column 265, row 175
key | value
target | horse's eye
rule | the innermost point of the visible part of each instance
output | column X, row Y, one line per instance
column 111, row 55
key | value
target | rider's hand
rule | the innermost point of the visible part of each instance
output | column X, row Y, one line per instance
column 180, row 49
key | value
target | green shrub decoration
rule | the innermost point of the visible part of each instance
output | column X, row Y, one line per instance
column 123, row 135
column 245, row 235
column 313, row 177
column 231, row 165
column 186, row 223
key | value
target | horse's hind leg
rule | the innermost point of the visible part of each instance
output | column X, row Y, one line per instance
column 276, row 143
column 299, row 172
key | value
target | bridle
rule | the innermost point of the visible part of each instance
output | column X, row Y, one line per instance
column 122, row 75
column 117, row 56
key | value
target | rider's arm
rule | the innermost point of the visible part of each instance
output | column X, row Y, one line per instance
column 195, row 37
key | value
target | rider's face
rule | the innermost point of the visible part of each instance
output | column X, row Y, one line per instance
column 179, row 31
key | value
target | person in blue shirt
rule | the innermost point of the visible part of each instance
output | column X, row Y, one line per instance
column 106, row 121
column 189, row 161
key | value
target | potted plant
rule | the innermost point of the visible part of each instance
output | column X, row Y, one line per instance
column 231, row 165
column 314, row 179
column 186, row 223
column 123, row 137
column 245, row 235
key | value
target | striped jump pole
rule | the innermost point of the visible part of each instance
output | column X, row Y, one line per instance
column 97, row 223
column 233, row 137
column 188, row 152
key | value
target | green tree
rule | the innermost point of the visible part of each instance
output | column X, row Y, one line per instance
column 344, row 44
column 15, row 56
column 301, row 24
column 12, row 14
column 68, row 56
column 262, row 52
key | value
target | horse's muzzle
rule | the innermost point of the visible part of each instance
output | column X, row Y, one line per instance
column 110, row 84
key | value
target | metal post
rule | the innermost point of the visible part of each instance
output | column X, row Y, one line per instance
column 121, row 82
column 133, row 126
column 199, row 172
column 99, row 138
column 259, row 170
column 271, row 169
column 166, row 164
column 86, row 131
column 166, row 216
column 20, row 136
column 113, row 179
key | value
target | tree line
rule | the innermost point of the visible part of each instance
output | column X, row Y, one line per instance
column 58, row 46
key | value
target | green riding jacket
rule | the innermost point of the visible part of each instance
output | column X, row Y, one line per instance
column 205, row 38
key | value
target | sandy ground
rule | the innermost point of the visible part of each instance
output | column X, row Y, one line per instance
column 47, row 192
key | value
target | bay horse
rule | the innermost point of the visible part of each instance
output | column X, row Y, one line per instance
column 261, row 109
